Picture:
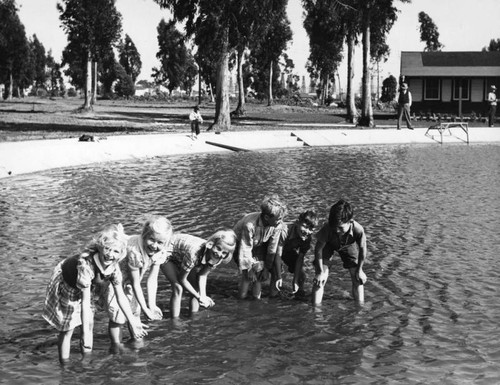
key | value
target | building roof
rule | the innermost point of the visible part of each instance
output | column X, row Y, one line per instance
column 447, row 64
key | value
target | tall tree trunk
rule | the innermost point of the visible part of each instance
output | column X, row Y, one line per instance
column 352, row 114
column 222, row 121
column 94, row 84
column 326, row 89
column 366, row 100
column 88, row 85
column 10, row 87
column 240, row 109
column 270, row 89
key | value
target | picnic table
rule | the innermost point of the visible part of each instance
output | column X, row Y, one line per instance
column 442, row 127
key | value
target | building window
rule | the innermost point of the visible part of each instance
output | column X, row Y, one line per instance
column 465, row 84
column 432, row 89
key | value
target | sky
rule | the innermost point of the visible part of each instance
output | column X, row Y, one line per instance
column 463, row 25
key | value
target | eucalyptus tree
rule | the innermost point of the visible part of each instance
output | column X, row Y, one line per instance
column 54, row 76
column 129, row 57
column 340, row 21
column 326, row 37
column 215, row 24
column 216, row 19
column 39, row 62
column 14, row 49
column 260, row 24
column 269, row 48
column 92, row 26
column 429, row 33
column 176, row 60
column 494, row 45
column 360, row 18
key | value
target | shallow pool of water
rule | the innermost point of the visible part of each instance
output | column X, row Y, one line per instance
column 431, row 315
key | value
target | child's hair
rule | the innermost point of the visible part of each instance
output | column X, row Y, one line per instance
column 226, row 236
column 340, row 212
column 309, row 218
column 112, row 235
column 156, row 224
column 273, row 206
column 196, row 108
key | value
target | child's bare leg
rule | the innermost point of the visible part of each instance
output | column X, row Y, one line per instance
column 64, row 345
column 301, row 280
column 176, row 300
column 319, row 289
column 194, row 305
column 257, row 289
column 244, row 285
column 115, row 332
column 358, row 289
column 171, row 271
column 273, row 289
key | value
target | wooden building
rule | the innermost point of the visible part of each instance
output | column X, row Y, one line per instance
column 450, row 82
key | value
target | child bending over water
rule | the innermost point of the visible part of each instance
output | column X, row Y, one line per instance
column 190, row 260
column 145, row 253
column 347, row 237
column 75, row 284
column 295, row 242
column 258, row 235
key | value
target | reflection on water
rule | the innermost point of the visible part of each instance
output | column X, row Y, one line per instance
column 431, row 215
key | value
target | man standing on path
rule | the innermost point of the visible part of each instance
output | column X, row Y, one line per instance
column 404, row 104
column 492, row 102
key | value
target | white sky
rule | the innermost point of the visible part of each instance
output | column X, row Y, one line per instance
column 464, row 25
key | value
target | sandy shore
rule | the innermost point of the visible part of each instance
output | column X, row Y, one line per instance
column 36, row 155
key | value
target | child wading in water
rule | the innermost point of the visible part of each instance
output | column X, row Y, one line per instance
column 75, row 283
column 257, row 241
column 347, row 237
column 190, row 261
column 145, row 252
column 295, row 242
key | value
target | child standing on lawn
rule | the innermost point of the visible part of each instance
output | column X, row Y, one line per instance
column 195, row 119
column 145, row 253
column 190, row 260
column 347, row 237
column 257, row 242
column 75, row 284
column 295, row 242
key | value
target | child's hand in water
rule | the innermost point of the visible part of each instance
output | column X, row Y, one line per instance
column 138, row 329
column 206, row 301
column 154, row 314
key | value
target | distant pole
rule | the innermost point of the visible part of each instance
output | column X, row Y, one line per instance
column 460, row 98
column 378, row 81
column 199, row 85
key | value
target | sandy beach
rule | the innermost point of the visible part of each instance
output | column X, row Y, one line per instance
column 30, row 156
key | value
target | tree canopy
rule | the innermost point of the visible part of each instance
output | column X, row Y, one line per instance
column 129, row 57
column 177, row 63
column 493, row 46
column 15, row 54
column 93, row 27
column 429, row 33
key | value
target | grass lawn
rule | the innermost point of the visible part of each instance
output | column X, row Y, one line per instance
column 36, row 118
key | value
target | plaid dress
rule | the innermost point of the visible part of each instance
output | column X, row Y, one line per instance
column 63, row 301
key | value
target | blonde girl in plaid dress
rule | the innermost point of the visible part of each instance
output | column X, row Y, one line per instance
column 77, row 283
column 190, row 260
